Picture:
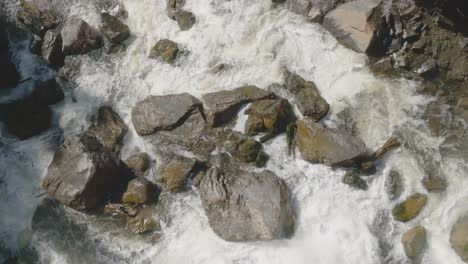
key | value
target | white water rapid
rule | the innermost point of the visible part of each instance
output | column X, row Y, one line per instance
column 335, row 224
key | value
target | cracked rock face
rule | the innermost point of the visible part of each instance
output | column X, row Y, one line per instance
column 246, row 206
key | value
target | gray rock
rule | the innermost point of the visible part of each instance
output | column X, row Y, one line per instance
column 174, row 6
column 113, row 29
column 459, row 237
column 51, row 49
column 177, row 172
column 166, row 50
column 82, row 175
column 185, row 19
column 222, row 107
column 109, row 128
column 352, row 179
column 414, row 241
column 140, row 191
column 246, row 206
column 320, row 144
column 78, row 37
column 166, row 112
column 138, row 162
column 356, row 24
column 36, row 17
column 393, row 185
column 307, row 96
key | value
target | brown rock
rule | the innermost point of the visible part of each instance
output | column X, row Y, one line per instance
column 414, row 241
column 166, row 50
column 146, row 221
column 459, row 237
column 410, row 208
column 185, row 19
column 139, row 162
column 109, row 128
column 435, row 184
column 175, row 174
column 140, row 191
column 270, row 116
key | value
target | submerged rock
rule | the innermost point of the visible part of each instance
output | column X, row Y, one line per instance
column 177, row 172
column 145, row 222
column 435, row 184
column 166, row 112
column 174, row 6
column 166, row 50
column 185, row 20
column 51, row 49
column 352, row 179
column 410, row 208
column 393, row 185
column 78, row 37
column 459, row 237
column 307, row 96
column 414, row 241
column 121, row 210
column 270, row 116
column 320, row 144
column 109, row 128
column 82, row 174
column 35, row 17
column 222, row 107
column 140, row 191
column 358, row 25
column 246, row 206
column 113, row 29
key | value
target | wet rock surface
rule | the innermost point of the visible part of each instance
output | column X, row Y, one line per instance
column 36, row 17
column 140, row 191
column 109, row 128
column 51, row 49
column 459, row 237
column 268, row 116
column 246, row 206
column 185, row 20
column 78, row 37
column 113, row 29
column 176, row 174
column 353, row 179
column 414, row 241
column 166, row 50
column 139, row 162
column 410, row 208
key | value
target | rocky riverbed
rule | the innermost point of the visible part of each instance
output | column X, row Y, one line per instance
column 176, row 131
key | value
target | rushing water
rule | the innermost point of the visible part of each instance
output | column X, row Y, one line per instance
column 335, row 224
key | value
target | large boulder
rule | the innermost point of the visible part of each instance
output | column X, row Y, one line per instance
column 140, row 191
column 109, row 128
column 83, row 174
column 459, row 237
column 414, row 241
column 166, row 112
column 166, row 50
column 177, row 172
column 358, row 25
column 78, row 37
column 270, row 116
column 222, row 107
column 306, row 96
column 320, row 144
column 246, row 206
column 36, row 17
column 51, row 49
column 114, row 30
column 410, row 208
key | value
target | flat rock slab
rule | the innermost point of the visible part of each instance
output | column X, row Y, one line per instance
column 320, row 144
column 222, row 107
column 246, row 206
column 166, row 112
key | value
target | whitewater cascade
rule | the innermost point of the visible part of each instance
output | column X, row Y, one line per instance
column 334, row 224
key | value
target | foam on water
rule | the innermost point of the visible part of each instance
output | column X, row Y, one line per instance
column 335, row 224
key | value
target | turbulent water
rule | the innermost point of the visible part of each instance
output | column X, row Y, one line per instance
column 335, row 224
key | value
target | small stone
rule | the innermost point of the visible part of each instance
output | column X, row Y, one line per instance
column 35, row 18
column 270, row 116
column 352, row 179
column 120, row 210
column 261, row 160
column 109, row 128
column 139, row 162
column 368, row 168
column 113, row 29
column 185, row 20
column 166, row 50
column 140, row 191
column 410, row 208
column 435, row 184
column 393, row 185
column 314, row 15
column 414, row 241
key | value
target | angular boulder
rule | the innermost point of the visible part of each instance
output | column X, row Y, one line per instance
column 223, row 106
column 177, row 172
column 270, row 116
column 78, row 37
column 414, row 241
column 138, row 162
column 246, row 206
column 83, row 175
column 51, row 49
column 166, row 112
column 36, row 17
column 166, row 50
column 185, row 20
column 109, row 128
column 140, row 191
column 114, row 30
column 359, row 25
column 459, row 237
column 410, row 208
column 307, row 96
column 320, row 144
